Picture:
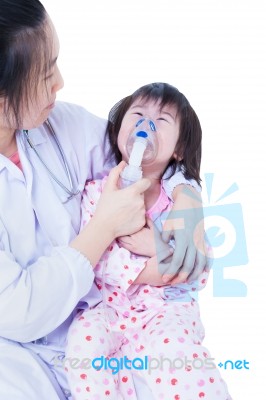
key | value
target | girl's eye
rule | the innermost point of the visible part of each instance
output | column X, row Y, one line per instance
column 162, row 119
column 138, row 113
column 48, row 77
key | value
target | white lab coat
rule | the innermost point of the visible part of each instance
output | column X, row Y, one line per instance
column 42, row 279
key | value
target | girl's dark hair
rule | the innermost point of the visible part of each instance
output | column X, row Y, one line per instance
column 188, row 146
column 23, row 53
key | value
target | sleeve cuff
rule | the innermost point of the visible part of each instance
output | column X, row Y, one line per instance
column 178, row 179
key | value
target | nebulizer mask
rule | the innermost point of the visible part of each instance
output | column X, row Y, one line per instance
column 141, row 149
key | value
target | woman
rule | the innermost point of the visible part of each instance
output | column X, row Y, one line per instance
column 45, row 265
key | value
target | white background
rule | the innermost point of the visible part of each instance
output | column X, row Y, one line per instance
column 214, row 52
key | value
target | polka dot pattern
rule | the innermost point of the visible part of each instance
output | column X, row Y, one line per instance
column 138, row 321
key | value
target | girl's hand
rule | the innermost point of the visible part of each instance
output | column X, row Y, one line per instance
column 145, row 242
column 155, row 267
column 141, row 242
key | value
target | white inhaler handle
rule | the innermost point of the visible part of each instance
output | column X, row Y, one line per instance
column 133, row 171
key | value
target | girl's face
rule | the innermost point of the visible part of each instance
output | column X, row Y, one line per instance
column 43, row 96
column 167, row 131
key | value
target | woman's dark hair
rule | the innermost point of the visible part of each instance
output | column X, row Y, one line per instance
column 188, row 147
column 23, row 53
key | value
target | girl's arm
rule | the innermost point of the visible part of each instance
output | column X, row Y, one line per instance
column 149, row 242
column 186, row 224
column 152, row 273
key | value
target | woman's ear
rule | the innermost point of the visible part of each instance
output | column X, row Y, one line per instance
column 177, row 157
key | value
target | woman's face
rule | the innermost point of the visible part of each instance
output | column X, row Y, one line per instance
column 43, row 96
column 167, row 131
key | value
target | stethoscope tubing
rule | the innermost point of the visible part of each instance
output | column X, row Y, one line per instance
column 70, row 192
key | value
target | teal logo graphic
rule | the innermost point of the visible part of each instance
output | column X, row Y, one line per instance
column 225, row 233
column 224, row 226
column 230, row 364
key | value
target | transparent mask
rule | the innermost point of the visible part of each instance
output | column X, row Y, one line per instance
column 145, row 127
column 141, row 148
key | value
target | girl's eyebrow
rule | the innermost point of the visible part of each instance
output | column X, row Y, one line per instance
column 161, row 111
column 166, row 112
column 138, row 106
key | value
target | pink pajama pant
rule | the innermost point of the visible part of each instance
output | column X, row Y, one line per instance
column 179, row 367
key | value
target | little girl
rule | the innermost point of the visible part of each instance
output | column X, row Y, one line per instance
column 139, row 317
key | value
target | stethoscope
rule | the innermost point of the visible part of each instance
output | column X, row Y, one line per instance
column 72, row 192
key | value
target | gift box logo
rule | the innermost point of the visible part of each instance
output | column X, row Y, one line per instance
column 225, row 232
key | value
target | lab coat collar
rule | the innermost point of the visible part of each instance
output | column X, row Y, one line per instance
column 37, row 136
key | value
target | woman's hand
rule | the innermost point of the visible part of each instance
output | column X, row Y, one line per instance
column 122, row 211
column 118, row 213
column 186, row 224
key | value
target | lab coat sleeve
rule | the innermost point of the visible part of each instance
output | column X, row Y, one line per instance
column 36, row 300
